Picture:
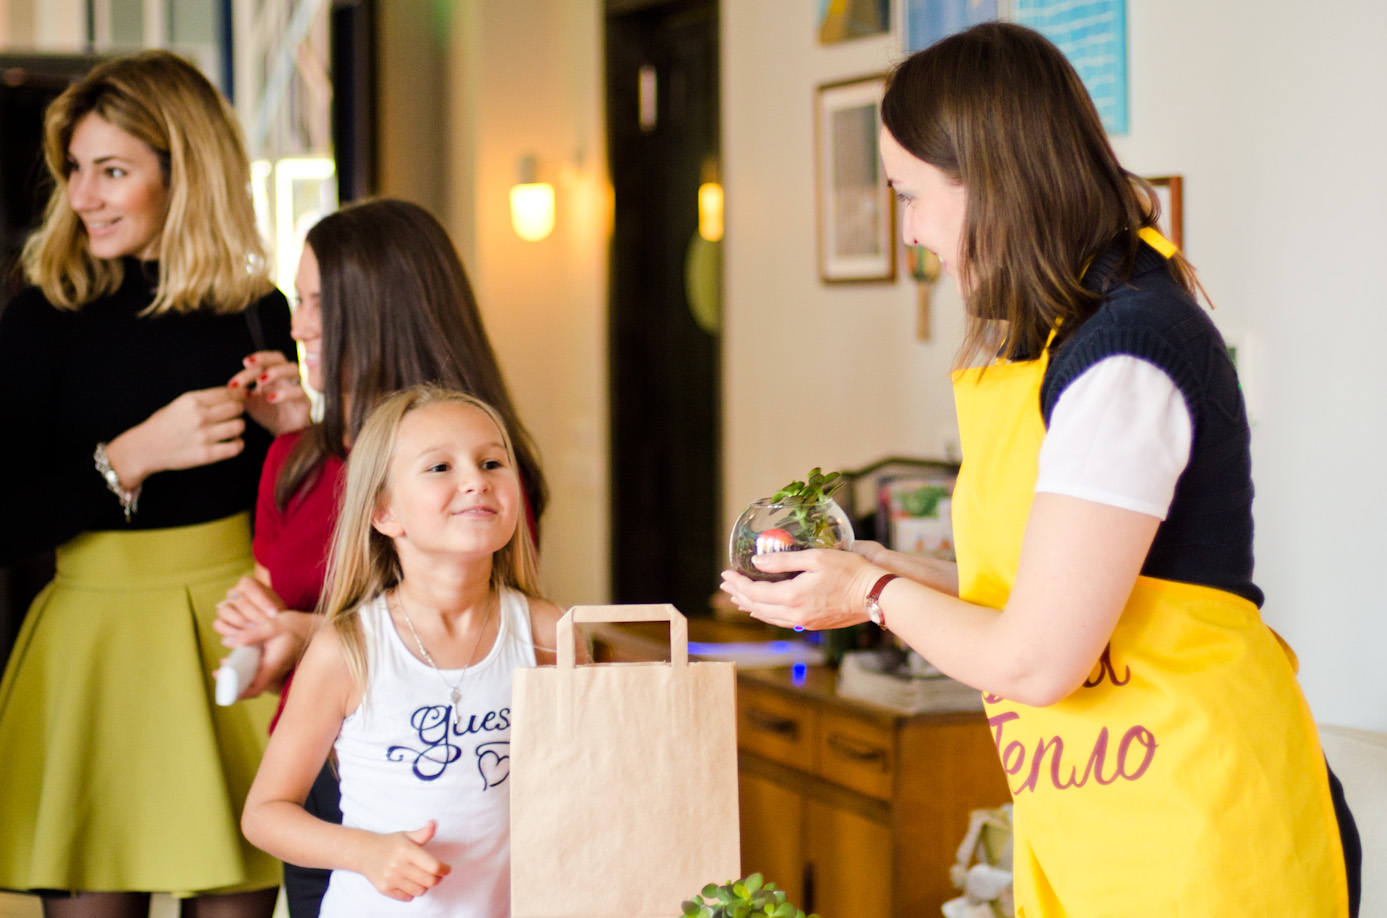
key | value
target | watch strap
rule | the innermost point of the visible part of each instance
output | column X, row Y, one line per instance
column 874, row 600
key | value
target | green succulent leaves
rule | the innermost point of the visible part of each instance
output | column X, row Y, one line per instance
column 750, row 897
column 805, row 500
column 817, row 489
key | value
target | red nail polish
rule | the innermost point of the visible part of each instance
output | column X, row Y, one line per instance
column 233, row 384
column 264, row 376
column 272, row 396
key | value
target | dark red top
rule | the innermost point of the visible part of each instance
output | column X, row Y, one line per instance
column 292, row 544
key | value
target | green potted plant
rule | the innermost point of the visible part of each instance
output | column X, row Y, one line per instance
column 751, row 897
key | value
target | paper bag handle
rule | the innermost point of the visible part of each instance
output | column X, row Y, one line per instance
column 655, row 612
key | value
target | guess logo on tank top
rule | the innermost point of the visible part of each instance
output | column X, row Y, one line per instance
column 442, row 742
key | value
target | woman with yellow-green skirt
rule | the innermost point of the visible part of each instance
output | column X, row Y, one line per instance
column 147, row 369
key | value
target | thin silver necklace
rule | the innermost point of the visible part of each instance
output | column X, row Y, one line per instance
column 454, row 691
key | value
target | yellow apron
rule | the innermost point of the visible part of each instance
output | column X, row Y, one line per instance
column 1185, row 777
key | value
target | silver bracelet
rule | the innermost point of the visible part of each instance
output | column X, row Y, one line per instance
column 129, row 500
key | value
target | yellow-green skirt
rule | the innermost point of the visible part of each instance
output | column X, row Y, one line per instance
column 117, row 770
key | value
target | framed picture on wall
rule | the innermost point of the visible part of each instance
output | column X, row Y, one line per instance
column 1170, row 193
column 1093, row 35
column 844, row 20
column 927, row 21
column 856, row 213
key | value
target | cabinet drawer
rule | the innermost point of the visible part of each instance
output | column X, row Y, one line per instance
column 773, row 725
column 856, row 754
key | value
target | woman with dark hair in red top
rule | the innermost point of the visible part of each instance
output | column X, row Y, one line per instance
column 383, row 303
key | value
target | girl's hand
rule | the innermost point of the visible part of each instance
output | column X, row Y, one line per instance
column 275, row 398
column 252, row 613
column 830, row 593
column 399, row 867
column 197, row 428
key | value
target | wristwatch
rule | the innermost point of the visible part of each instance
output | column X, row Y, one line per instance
column 874, row 601
column 128, row 498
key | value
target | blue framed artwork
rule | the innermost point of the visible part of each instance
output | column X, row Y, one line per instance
column 843, row 20
column 1093, row 35
column 927, row 21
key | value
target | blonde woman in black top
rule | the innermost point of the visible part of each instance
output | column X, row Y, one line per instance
column 148, row 368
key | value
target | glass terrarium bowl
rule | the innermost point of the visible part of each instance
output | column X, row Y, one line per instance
column 765, row 527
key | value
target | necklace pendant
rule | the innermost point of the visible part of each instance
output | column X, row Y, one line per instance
column 457, row 696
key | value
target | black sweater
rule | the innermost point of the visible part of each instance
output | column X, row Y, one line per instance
column 1206, row 537
column 70, row 380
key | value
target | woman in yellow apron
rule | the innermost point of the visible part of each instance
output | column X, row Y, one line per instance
column 1161, row 756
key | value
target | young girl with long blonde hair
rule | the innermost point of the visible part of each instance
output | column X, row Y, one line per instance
column 431, row 603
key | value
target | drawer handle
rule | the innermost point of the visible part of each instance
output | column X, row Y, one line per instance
column 856, row 752
column 769, row 723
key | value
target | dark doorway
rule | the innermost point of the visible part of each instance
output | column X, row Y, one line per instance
column 352, row 41
column 27, row 84
column 663, row 138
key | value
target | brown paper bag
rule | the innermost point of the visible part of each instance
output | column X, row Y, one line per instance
column 623, row 779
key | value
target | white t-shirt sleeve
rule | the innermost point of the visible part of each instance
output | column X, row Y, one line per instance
column 1119, row 435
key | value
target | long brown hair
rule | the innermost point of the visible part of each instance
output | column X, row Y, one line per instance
column 397, row 311
column 363, row 562
column 210, row 252
column 1000, row 110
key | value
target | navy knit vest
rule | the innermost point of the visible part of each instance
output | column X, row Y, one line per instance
column 1206, row 537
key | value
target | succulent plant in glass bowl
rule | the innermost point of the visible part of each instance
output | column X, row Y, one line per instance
column 801, row 515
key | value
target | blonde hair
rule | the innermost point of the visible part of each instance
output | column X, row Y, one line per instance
column 363, row 563
column 210, row 252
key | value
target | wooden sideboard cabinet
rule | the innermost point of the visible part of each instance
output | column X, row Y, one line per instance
column 852, row 809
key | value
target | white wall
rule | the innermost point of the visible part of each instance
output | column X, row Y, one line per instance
column 1274, row 115
column 814, row 374
column 527, row 79
column 1277, row 122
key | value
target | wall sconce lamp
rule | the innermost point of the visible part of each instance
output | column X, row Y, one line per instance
column 531, row 204
column 710, row 211
column 710, row 200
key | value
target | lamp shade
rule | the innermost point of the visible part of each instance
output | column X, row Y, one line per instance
column 532, row 210
column 710, row 211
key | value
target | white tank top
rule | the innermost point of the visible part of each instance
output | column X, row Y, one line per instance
column 403, row 761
